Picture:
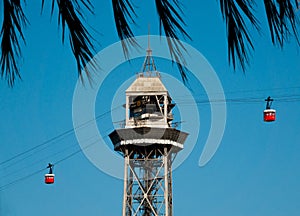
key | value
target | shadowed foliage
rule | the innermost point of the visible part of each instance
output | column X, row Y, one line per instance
column 123, row 13
column 282, row 20
column 238, row 16
column 281, row 15
column 70, row 16
column 172, row 23
column 13, row 21
column 239, row 40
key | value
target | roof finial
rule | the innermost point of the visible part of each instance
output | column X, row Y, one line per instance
column 149, row 51
column 149, row 65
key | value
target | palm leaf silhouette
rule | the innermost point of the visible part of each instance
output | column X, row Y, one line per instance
column 282, row 19
column 238, row 36
column 13, row 22
column 172, row 24
column 281, row 15
column 124, row 13
column 70, row 17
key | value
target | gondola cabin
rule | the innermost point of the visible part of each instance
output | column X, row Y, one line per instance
column 269, row 115
column 49, row 178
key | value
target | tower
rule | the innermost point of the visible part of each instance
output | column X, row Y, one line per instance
column 149, row 144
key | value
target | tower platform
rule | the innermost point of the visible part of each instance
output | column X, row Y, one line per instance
column 148, row 137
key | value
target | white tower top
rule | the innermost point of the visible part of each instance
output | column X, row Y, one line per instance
column 148, row 103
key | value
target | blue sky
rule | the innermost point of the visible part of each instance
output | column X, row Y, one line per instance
column 254, row 172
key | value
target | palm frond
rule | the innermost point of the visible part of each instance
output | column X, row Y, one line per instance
column 124, row 13
column 70, row 16
column 281, row 17
column 14, row 20
column 238, row 36
column 172, row 23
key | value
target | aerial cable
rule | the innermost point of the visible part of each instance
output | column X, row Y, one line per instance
column 37, row 161
column 283, row 98
column 30, row 155
column 62, row 135
column 49, row 156
column 249, row 91
column 35, row 147
column 41, row 170
column 57, row 162
column 21, row 179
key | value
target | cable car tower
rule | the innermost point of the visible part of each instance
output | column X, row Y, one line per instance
column 149, row 144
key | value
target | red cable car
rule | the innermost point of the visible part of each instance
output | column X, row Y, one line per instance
column 49, row 178
column 269, row 114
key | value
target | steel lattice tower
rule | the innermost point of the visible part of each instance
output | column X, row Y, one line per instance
column 149, row 145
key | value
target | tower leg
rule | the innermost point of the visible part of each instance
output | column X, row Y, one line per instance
column 170, row 187
column 130, row 186
column 126, row 163
column 166, row 193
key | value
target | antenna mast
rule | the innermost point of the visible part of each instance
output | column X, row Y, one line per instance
column 149, row 65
